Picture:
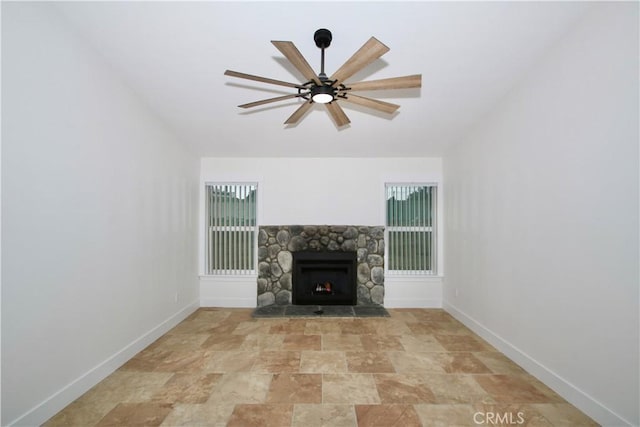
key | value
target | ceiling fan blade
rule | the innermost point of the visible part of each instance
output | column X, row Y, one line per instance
column 337, row 113
column 269, row 100
column 385, row 107
column 297, row 115
column 369, row 52
column 404, row 82
column 291, row 52
column 262, row 79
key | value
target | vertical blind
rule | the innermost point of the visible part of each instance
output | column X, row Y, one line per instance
column 231, row 228
column 411, row 228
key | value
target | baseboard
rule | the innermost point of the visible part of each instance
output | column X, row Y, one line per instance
column 228, row 302
column 59, row 400
column 564, row 388
column 413, row 303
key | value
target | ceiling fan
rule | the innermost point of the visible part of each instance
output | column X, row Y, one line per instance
column 329, row 90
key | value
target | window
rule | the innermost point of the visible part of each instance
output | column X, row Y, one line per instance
column 411, row 228
column 231, row 228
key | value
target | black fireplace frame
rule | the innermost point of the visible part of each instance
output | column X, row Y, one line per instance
column 301, row 294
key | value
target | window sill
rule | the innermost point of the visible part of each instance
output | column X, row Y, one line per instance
column 410, row 277
column 229, row 277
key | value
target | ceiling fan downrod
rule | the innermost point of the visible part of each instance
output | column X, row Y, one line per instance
column 324, row 93
column 323, row 38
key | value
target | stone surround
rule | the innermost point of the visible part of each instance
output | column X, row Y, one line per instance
column 276, row 243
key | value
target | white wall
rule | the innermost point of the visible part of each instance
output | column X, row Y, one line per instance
column 542, row 219
column 314, row 191
column 99, row 220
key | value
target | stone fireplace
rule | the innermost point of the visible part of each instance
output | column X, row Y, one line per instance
column 277, row 245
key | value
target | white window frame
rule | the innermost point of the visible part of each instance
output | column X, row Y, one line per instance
column 233, row 258
column 433, row 243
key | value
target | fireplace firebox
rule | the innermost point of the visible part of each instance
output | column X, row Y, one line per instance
column 324, row 278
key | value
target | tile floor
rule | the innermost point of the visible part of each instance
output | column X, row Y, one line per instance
column 222, row 367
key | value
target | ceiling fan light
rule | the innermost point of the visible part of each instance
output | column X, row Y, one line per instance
column 322, row 98
column 322, row 94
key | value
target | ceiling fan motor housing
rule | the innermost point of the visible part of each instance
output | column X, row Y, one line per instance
column 323, row 38
column 323, row 94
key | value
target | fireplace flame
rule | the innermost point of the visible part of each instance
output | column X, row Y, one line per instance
column 322, row 288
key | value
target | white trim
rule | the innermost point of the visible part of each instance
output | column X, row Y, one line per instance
column 240, row 276
column 413, row 303
column 228, row 302
column 414, row 278
column 564, row 388
column 63, row 397
column 229, row 277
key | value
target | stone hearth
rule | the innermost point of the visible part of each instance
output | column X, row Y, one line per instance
column 277, row 243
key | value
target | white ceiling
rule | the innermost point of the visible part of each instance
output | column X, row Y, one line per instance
column 174, row 54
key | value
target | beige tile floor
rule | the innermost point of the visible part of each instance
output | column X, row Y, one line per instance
column 221, row 367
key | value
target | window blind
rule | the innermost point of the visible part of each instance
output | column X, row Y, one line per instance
column 411, row 228
column 231, row 228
